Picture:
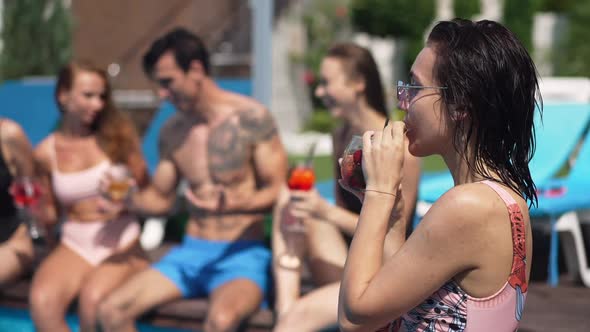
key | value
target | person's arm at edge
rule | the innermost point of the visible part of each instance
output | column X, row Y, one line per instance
column 287, row 281
column 158, row 197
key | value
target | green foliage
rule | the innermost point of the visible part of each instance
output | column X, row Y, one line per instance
column 326, row 22
column 556, row 6
column 519, row 17
column 401, row 19
column 321, row 121
column 37, row 38
column 466, row 8
column 395, row 18
column 572, row 56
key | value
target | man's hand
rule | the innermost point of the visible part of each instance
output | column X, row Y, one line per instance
column 208, row 200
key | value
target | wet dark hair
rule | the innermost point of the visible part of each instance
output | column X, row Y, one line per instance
column 185, row 45
column 358, row 62
column 492, row 83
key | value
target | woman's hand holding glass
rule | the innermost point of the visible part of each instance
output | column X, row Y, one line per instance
column 383, row 157
column 117, row 186
column 300, row 182
column 382, row 162
column 307, row 205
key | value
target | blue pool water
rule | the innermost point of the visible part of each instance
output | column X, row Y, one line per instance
column 18, row 320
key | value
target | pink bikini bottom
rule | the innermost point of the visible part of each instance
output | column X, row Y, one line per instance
column 95, row 241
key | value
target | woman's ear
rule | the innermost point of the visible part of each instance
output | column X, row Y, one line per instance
column 359, row 85
column 62, row 97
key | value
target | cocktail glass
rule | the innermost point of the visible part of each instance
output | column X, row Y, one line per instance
column 119, row 185
column 26, row 193
column 301, row 177
column 351, row 167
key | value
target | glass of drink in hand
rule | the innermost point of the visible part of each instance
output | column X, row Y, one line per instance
column 351, row 167
column 26, row 193
column 301, row 177
column 120, row 183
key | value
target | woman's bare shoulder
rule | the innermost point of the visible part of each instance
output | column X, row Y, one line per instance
column 11, row 130
column 464, row 207
column 44, row 150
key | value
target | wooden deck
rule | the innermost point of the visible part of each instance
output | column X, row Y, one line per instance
column 563, row 308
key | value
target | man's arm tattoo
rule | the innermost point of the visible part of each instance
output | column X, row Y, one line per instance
column 259, row 125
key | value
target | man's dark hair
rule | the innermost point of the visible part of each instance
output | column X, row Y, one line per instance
column 185, row 45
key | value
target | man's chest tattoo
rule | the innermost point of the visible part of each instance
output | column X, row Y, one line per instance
column 231, row 144
column 227, row 149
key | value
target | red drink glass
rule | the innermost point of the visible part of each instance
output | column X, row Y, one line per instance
column 26, row 193
column 301, row 177
column 351, row 167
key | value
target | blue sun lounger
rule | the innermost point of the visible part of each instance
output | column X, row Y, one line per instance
column 558, row 198
column 557, row 135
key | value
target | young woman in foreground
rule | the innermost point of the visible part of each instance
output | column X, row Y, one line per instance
column 471, row 99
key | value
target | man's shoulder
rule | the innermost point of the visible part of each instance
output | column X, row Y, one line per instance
column 171, row 123
column 240, row 104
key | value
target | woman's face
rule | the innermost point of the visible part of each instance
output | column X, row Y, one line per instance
column 336, row 90
column 86, row 99
column 428, row 125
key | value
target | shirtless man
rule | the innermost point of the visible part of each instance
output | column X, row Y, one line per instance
column 227, row 148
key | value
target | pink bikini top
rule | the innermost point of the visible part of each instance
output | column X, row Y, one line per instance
column 452, row 309
column 70, row 187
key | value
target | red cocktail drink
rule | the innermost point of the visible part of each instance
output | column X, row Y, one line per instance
column 351, row 167
column 25, row 192
column 301, row 177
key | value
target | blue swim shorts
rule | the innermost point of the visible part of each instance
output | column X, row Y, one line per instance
column 197, row 267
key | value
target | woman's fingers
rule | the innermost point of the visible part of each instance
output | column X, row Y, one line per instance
column 398, row 132
column 370, row 138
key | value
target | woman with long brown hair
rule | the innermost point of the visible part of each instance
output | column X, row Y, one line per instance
column 350, row 87
column 98, row 249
